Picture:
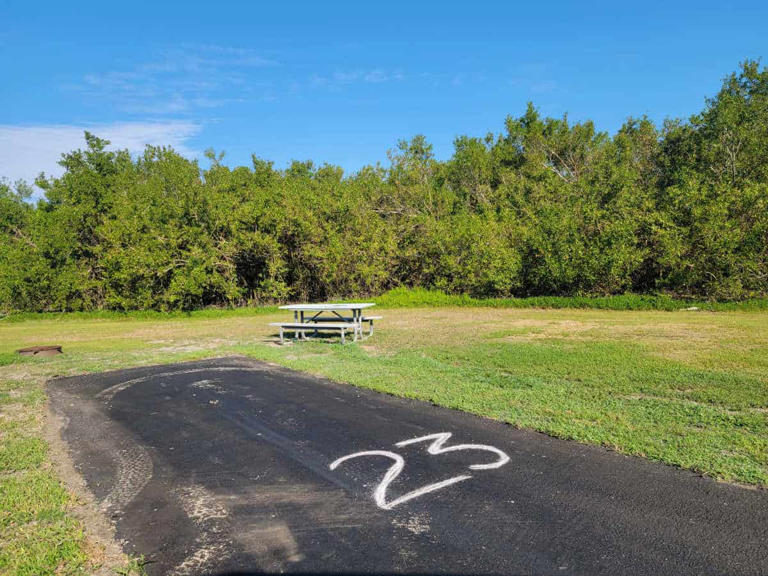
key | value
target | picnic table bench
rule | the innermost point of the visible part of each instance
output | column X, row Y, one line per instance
column 316, row 318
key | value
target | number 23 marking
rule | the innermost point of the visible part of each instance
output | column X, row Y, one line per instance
column 436, row 447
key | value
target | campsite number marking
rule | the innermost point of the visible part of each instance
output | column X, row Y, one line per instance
column 437, row 446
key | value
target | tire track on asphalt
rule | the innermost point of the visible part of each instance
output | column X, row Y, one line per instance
column 134, row 471
column 109, row 393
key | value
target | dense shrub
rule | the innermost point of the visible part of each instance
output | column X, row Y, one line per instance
column 548, row 208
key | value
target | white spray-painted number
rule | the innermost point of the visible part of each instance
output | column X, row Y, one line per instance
column 436, row 447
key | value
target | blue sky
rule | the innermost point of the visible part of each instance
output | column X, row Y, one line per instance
column 341, row 82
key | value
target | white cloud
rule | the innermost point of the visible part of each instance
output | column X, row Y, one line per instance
column 180, row 80
column 348, row 77
column 25, row 151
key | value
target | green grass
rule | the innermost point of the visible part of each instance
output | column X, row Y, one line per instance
column 150, row 315
column 36, row 534
column 420, row 298
column 684, row 388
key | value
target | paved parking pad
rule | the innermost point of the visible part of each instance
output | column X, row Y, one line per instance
column 232, row 466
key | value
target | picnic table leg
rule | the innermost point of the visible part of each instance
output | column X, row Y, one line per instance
column 343, row 331
column 303, row 334
column 281, row 336
column 358, row 318
column 315, row 333
column 296, row 319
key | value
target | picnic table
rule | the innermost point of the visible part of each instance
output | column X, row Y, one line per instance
column 327, row 317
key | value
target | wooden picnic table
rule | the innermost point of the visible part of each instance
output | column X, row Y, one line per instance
column 327, row 316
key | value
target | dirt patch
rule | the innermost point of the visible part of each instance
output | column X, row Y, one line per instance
column 211, row 518
column 415, row 524
column 196, row 346
column 271, row 540
column 212, row 385
column 530, row 329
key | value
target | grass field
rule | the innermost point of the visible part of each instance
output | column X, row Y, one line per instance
column 688, row 388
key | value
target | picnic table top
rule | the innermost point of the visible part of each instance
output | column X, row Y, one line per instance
column 328, row 306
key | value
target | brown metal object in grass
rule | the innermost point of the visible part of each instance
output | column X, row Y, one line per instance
column 40, row 351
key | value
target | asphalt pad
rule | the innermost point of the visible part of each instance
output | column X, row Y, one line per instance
column 233, row 466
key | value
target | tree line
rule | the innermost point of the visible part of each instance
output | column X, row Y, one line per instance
column 547, row 207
